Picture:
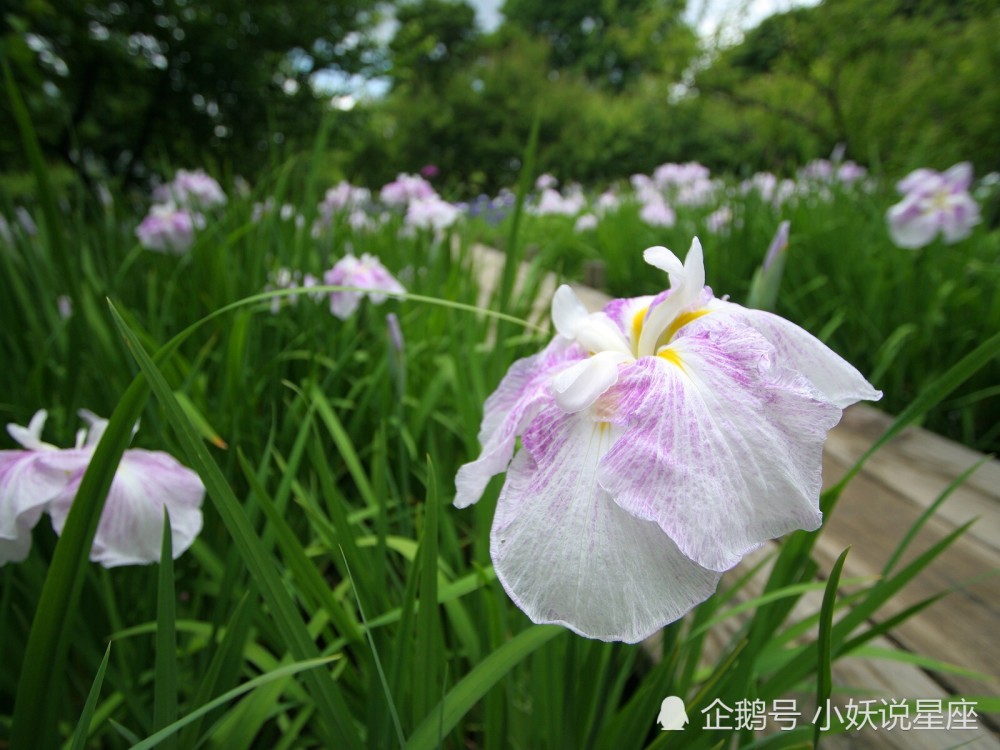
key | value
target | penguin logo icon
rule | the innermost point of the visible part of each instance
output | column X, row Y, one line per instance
column 672, row 716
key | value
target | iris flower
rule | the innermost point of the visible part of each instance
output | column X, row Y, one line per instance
column 661, row 440
column 934, row 202
column 46, row 478
column 366, row 273
column 167, row 229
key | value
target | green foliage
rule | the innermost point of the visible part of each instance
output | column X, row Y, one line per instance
column 612, row 45
column 901, row 85
column 115, row 85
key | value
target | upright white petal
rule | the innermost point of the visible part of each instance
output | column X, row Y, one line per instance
column 567, row 554
column 31, row 436
column 665, row 260
column 568, row 312
column 685, row 288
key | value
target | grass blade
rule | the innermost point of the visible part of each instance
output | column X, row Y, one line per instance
column 824, row 642
column 330, row 705
column 165, row 686
column 48, row 642
column 456, row 704
column 83, row 727
column 307, row 666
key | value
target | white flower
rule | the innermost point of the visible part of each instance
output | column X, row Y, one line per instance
column 661, row 440
column 45, row 478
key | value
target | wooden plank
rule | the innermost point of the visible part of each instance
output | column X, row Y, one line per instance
column 876, row 511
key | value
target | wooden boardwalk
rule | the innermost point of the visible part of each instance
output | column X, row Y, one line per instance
column 876, row 511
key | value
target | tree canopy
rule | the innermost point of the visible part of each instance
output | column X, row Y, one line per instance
column 110, row 83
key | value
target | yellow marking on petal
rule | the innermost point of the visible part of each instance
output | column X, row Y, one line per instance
column 637, row 320
column 671, row 356
column 680, row 321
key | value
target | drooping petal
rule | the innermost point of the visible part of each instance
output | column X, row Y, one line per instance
column 28, row 481
column 721, row 450
column 911, row 230
column 580, row 385
column 508, row 411
column 835, row 378
column 567, row 554
column 960, row 217
column 131, row 526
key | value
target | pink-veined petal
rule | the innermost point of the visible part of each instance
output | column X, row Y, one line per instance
column 959, row 176
column 959, row 219
column 131, row 526
column 796, row 349
column 909, row 230
column 28, row 481
column 720, row 450
column 507, row 411
column 567, row 554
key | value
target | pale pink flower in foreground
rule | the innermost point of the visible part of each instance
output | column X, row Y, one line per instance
column 364, row 274
column 166, row 229
column 934, row 202
column 661, row 440
column 45, row 478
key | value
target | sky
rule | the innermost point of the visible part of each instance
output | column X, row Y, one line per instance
column 721, row 20
column 708, row 16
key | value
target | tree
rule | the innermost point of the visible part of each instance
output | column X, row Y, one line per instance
column 112, row 83
column 611, row 43
column 434, row 39
column 901, row 82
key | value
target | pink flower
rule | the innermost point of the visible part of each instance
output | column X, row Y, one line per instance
column 364, row 274
column 166, row 229
column 660, row 441
column 586, row 223
column 45, row 478
column 933, row 203
column 191, row 189
column 657, row 213
column 554, row 202
column 719, row 220
column 431, row 213
column 406, row 188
